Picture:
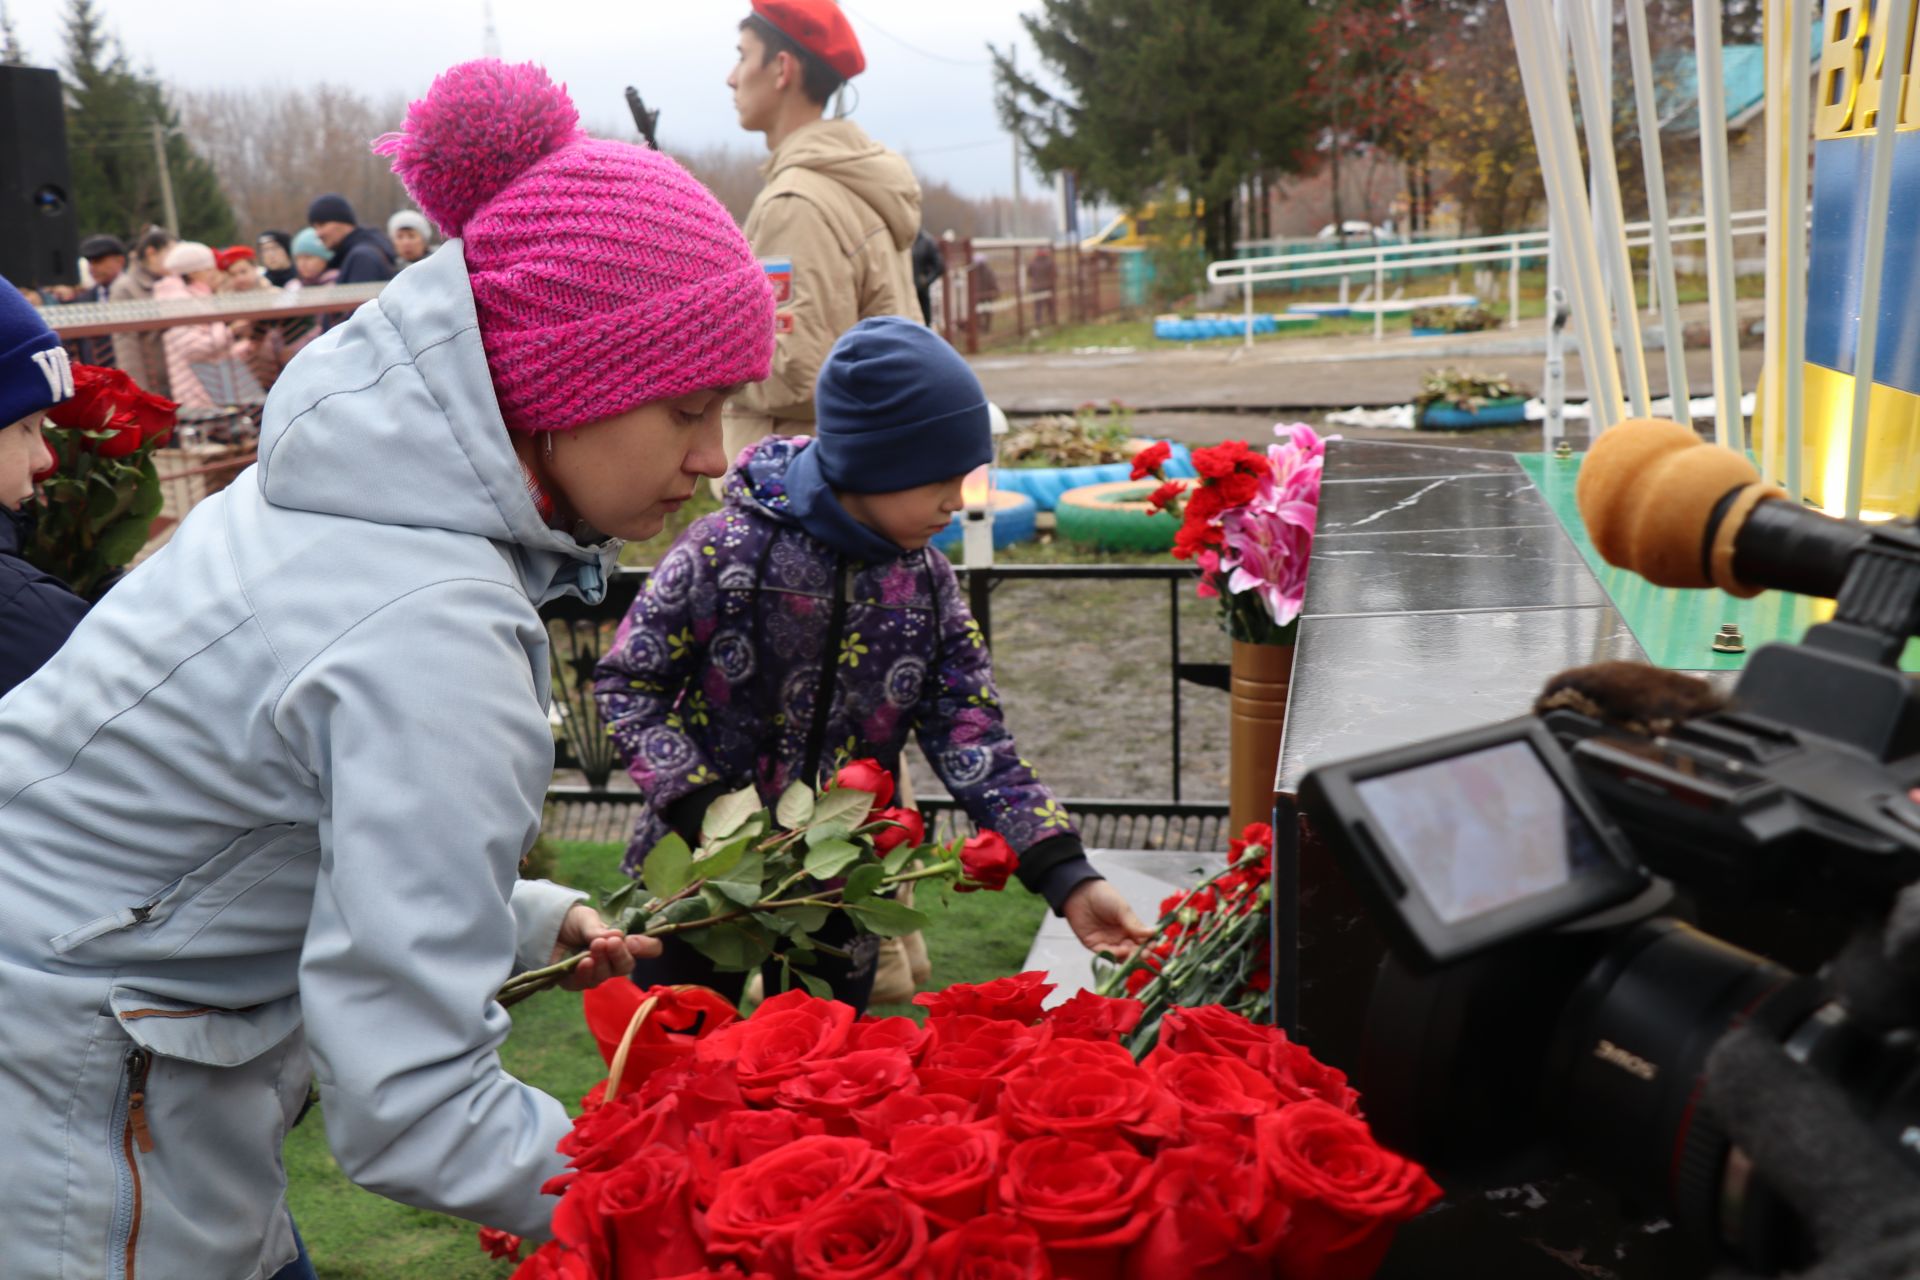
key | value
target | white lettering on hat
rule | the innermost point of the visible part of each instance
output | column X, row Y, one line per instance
column 57, row 371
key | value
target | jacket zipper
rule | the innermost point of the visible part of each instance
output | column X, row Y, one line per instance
column 135, row 1133
column 829, row 674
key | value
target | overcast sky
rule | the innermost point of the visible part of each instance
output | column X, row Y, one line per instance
column 928, row 89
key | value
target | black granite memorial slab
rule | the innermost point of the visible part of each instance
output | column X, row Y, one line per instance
column 1458, row 569
column 1364, row 507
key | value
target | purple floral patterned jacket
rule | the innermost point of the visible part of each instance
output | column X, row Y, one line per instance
column 757, row 653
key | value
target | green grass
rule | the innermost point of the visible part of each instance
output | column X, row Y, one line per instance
column 356, row 1235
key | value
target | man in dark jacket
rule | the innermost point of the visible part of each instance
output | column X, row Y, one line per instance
column 37, row 612
column 361, row 254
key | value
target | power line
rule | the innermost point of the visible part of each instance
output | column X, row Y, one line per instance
column 914, row 48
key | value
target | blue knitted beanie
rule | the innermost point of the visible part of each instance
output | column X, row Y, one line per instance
column 896, row 407
column 34, row 374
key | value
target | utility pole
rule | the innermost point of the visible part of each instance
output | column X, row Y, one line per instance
column 166, row 178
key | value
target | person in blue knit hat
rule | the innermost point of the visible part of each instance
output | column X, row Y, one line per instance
column 37, row 612
column 808, row 623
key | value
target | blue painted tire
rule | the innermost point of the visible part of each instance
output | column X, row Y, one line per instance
column 1504, row 412
column 1013, row 521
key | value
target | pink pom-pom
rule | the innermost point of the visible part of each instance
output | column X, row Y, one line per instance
column 481, row 125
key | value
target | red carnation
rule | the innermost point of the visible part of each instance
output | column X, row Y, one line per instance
column 1257, row 834
column 868, row 776
column 1162, row 499
column 1149, row 460
column 987, row 860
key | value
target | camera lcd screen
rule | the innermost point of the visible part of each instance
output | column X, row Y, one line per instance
column 1477, row 832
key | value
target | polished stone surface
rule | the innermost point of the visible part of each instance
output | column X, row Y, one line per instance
column 1491, row 568
column 1144, row 877
column 1364, row 684
column 1383, row 459
column 1364, row 507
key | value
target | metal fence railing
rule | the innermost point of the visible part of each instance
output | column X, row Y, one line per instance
column 601, row 809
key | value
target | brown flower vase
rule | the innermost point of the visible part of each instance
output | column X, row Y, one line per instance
column 1262, row 674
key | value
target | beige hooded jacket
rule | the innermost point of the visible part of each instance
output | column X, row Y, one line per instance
column 845, row 210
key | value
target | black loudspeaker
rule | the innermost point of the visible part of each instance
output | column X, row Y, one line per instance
column 39, row 227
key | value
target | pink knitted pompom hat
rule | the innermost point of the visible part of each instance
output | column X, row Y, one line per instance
column 605, row 276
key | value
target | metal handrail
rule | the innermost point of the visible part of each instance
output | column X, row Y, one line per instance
column 99, row 319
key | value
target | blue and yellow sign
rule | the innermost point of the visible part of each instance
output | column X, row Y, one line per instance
column 1847, row 112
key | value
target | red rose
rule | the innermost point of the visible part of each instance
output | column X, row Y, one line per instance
column 98, row 394
column 880, row 1124
column 1085, row 1089
column 787, row 1034
column 605, row 1137
column 740, row 1138
column 1294, row 1071
column 579, row 1227
column 762, row 1202
column 1214, row 1219
column 1257, row 834
column 1150, row 459
column 647, row 1211
column 124, row 440
column 903, row 1034
column 838, row 1089
column 1020, row 998
column 868, row 776
column 946, row 1169
column 911, row 831
column 991, row 1248
column 987, row 860
column 680, row 1016
column 970, row 1054
column 1095, row 1017
column 1162, row 499
column 1084, row 1199
column 866, row 1236
column 1214, row 1093
column 554, row 1262
column 1346, row 1193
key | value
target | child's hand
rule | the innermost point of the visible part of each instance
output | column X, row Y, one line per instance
column 611, row 953
column 1103, row 921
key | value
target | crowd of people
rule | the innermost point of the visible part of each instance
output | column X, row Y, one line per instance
column 218, row 364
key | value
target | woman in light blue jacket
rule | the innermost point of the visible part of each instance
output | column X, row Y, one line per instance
column 261, row 818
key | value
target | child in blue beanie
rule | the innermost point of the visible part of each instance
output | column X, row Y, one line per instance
column 37, row 612
column 808, row 623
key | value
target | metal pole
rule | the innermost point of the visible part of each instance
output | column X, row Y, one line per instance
column 1896, row 40
column 1173, row 623
column 1247, row 308
column 1772, row 375
column 1595, row 80
column 1543, row 72
column 166, row 178
column 1513, row 288
column 1660, row 278
column 1793, row 334
column 1728, row 429
column 1379, row 298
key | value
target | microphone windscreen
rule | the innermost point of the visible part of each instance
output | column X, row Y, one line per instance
column 1647, row 492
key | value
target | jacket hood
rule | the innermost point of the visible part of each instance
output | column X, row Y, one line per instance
column 391, row 418
column 777, row 479
column 841, row 150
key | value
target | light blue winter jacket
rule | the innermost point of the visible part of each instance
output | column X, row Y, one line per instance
column 260, row 819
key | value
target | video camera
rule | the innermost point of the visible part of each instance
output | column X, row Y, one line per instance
column 1544, row 999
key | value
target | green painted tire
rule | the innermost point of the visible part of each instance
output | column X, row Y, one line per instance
column 1114, row 517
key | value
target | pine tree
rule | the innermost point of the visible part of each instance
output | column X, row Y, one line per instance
column 1179, row 99
column 111, row 112
column 12, row 54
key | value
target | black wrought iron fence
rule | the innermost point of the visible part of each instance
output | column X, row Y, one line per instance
column 601, row 808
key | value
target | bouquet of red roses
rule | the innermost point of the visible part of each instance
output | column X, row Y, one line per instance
column 1001, row 1139
column 1213, row 945
column 99, row 502
column 763, row 880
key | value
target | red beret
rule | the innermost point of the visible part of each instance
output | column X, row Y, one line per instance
column 225, row 258
column 820, row 28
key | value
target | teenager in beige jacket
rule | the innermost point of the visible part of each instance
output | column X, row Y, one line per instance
column 836, row 220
